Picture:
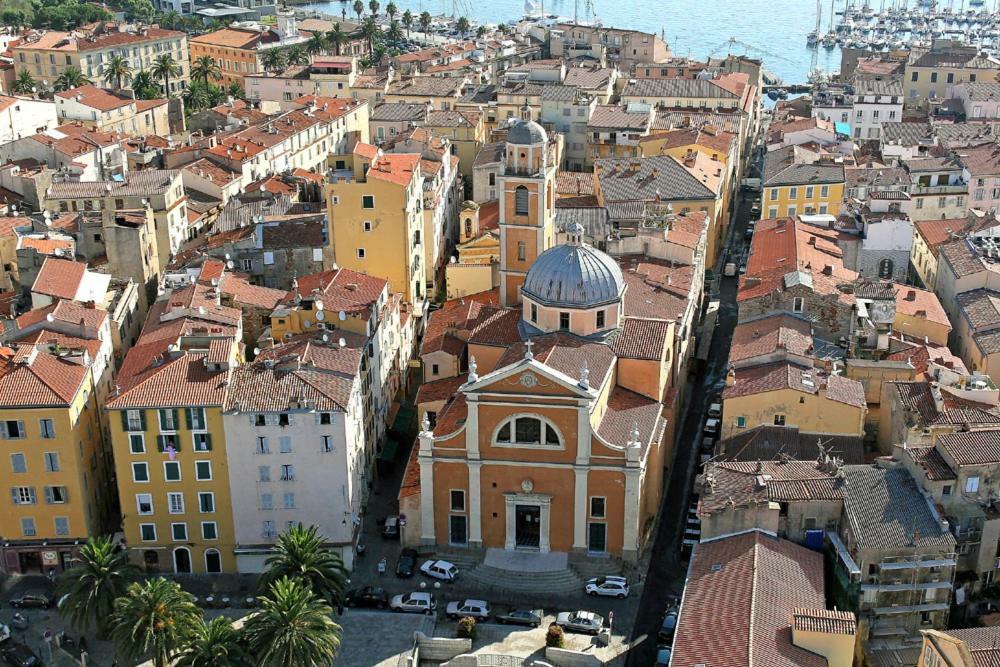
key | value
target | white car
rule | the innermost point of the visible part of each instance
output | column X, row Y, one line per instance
column 711, row 426
column 715, row 410
column 477, row 609
column 612, row 587
column 580, row 621
column 413, row 603
column 440, row 569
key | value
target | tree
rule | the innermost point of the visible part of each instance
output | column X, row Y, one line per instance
column 171, row 20
column 236, row 90
column 296, row 55
column 273, row 60
column 371, row 32
column 91, row 588
column 394, row 34
column 292, row 628
column 425, row 22
column 216, row 644
column 164, row 67
column 116, row 71
column 336, row 37
column 462, row 25
column 299, row 553
column 391, row 10
column 373, row 6
column 359, row 8
column 197, row 96
column 71, row 78
column 407, row 21
column 205, row 68
column 154, row 619
column 481, row 31
column 24, row 84
column 318, row 43
column 144, row 86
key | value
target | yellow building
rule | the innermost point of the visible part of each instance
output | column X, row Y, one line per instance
column 970, row 647
column 784, row 394
column 376, row 220
column 168, row 436
column 467, row 132
column 793, row 184
column 55, row 465
column 478, row 254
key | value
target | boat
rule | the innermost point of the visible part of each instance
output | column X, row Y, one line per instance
column 830, row 40
column 812, row 39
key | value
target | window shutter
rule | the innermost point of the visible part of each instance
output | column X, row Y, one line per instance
column 3, row 430
column 161, row 420
column 13, row 495
column 160, row 443
column 176, row 417
column 65, row 493
column 187, row 418
column 208, row 441
column 48, row 495
column 124, row 420
column 142, row 419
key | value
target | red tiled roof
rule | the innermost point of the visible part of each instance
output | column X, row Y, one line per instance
column 777, row 376
column 438, row 390
column 97, row 98
column 341, row 290
column 244, row 293
column 59, row 278
column 921, row 304
column 769, row 334
column 32, row 377
column 642, row 339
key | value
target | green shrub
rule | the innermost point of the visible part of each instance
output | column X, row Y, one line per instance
column 555, row 637
column 466, row 628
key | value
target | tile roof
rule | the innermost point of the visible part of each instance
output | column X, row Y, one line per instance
column 642, row 339
column 617, row 117
column 626, row 411
column 930, row 460
column 660, row 177
column 983, row 645
column 565, row 353
column 679, row 89
column 398, row 168
column 427, row 86
column 778, row 376
column 574, row 183
column 745, row 588
column 588, row 78
column 439, row 390
column 762, row 337
column 98, row 98
column 886, row 510
column 31, row 376
column 244, row 293
column 963, row 258
column 666, row 119
column 920, row 303
column 213, row 173
column 235, row 38
column 981, row 309
column 785, row 167
column 148, row 182
column 981, row 161
column 825, row 621
column 880, row 87
column 727, row 485
column 770, row 443
column 452, row 118
column 972, row 448
column 68, row 312
column 656, row 289
column 497, row 328
column 59, row 278
column 274, row 383
column 398, row 112
column 917, row 397
column 341, row 290
column 694, row 136
column 939, row 231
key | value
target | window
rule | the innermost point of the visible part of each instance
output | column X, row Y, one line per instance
column 287, row 472
column 798, row 304
column 534, row 313
column 326, row 443
column 17, row 463
column 289, row 500
column 600, row 319
column 203, row 471
column 264, row 473
column 202, row 442
column 266, row 501
column 206, row 502
column 268, row 258
column 140, row 472
column 779, row 420
column 951, row 77
column 325, row 418
column 457, row 500
column 946, row 490
column 136, row 443
column 914, row 76
column 168, row 420
column 933, row 77
column 179, row 532
column 521, row 200
column 51, row 461
column 62, row 525
column 172, row 471
column 597, row 507
column 284, row 444
column 527, row 431
column 793, row 193
column 209, row 530
column 167, row 442
column 23, row 495
column 56, row 495
column 144, row 503
column 262, row 445
column 267, row 530
column 175, row 503
column 972, row 485
column 12, row 429
column 147, row 532
column 134, row 420
column 809, row 192
column 564, row 321
column 47, row 428
column 367, row 201
column 28, row 527
column 434, row 369
column 195, row 418
column 522, row 251
column 361, row 253
column 366, row 225
column 774, row 194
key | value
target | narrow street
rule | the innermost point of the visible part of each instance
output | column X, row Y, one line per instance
column 668, row 567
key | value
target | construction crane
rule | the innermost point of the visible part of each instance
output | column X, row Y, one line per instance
column 732, row 41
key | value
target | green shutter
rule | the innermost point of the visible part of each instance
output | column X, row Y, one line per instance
column 160, row 443
column 208, row 441
column 142, row 419
column 188, row 418
column 125, row 420
column 160, row 420
column 177, row 420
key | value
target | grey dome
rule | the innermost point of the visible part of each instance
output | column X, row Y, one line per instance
column 526, row 133
column 574, row 275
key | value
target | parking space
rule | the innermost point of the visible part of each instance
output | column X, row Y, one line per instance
column 376, row 638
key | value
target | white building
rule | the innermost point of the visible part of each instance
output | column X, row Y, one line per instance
column 875, row 102
column 66, row 279
column 22, row 117
column 80, row 152
column 295, row 444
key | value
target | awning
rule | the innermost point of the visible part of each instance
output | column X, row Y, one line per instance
column 843, row 128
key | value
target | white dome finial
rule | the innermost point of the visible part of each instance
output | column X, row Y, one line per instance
column 473, row 377
column 584, row 375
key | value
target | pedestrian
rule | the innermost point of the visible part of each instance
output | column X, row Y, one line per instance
column 82, row 643
column 382, row 565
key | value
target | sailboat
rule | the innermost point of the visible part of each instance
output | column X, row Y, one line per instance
column 812, row 39
column 830, row 38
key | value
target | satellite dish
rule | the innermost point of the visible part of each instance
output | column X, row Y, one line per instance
column 319, row 305
column 342, row 315
column 326, row 338
column 342, row 342
column 228, row 257
column 50, row 318
column 256, row 351
column 320, row 316
column 307, row 323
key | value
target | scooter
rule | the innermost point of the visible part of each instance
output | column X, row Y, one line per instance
column 19, row 621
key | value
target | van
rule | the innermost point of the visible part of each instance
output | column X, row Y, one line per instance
column 752, row 184
column 730, row 269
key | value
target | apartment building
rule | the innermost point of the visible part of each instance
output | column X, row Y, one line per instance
column 875, row 102
column 21, row 117
column 624, row 48
column 240, row 51
column 71, row 150
column 797, row 181
column 930, row 74
column 108, row 111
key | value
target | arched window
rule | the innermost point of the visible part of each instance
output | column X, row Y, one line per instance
column 213, row 561
column 182, row 560
column 468, row 226
column 528, row 431
column 521, row 200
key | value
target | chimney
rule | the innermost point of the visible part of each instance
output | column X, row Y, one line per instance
column 731, row 377
column 827, row 270
column 911, row 295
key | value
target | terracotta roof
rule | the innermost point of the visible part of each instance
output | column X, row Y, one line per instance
column 244, row 293
column 398, row 168
column 97, row 98
column 777, row 376
column 727, row 485
column 655, row 289
column 627, row 411
column 274, row 383
column 983, row 160
column 449, row 327
column 497, row 328
column 69, row 312
column 920, row 303
column 59, row 278
column 215, row 174
column 825, row 621
column 341, row 290
column 973, row 448
column 983, row 645
column 410, row 486
column 746, row 588
column 642, row 339
column 616, row 117
column 489, row 215
column 31, row 376
column 917, row 397
column 930, row 460
column 48, row 246
column 574, row 183
column 938, row 232
column 694, row 136
column 771, row 443
column 770, row 334
column 233, row 38
column 438, row 390
column 565, row 353
column 427, row 86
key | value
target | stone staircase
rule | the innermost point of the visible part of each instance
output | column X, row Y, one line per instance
column 503, row 582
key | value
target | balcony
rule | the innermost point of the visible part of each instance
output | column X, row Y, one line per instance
column 929, row 190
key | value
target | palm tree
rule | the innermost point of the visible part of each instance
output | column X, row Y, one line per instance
column 273, row 60
column 164, row 67
column 394, row 34
column 205, row 68
column 336, row 37
column 425, row 22
column 299, row 553
column 116, row 71
column 318, row 43
column 371, row 32
column 236, row 90
column 197, row 96
column 154, row 618
column 359, row 9
column 373, row 5
column 24, row 84
column 71, row 78
column 481, row 31
column 296, row 55
column 144, row 85
column 215, row 643
column 407, row 21
column 92, row 587
column 292, row 628
column 391, row 10
column 462, row 25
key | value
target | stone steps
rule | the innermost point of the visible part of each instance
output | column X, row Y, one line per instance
column 494, row 579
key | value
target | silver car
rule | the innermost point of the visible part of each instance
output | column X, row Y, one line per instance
column 586, row 622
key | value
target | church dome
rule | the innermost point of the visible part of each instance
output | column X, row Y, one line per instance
column 574, row 275
column 526, row 133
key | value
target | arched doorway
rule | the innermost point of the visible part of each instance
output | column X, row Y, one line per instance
column 213, row 561
column 151, row 559
column 182, row 560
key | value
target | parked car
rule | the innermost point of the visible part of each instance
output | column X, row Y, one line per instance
column 715, row 410
column 662, row 656
column 416, row 602
column 532, row 617
column 369, row 596
column 390, row 529
column 711, row 426
column 612, row 587
column 406, row 564
column 18, row 655
column 667, row 627
column 477, row 609
column 586, row 622
column 36, row 599
column 439, row 569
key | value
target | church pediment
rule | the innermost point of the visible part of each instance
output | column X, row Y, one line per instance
column 529, row 377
